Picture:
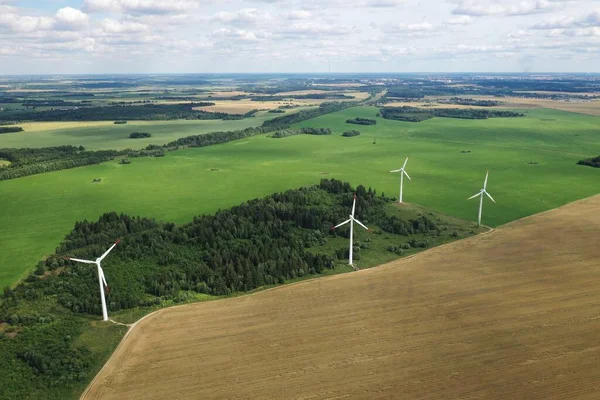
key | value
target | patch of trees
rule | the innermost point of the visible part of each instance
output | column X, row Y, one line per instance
column 251, row 113
column 351, row 133
column 139, row 135
column 52, row 103
column 260, row 242
column 277, row 111
column 591, row 162
column 324, row 108
column 10, row 129
column 361, row 121
column 414, row 114
column 470, row 102
column 30, row 161
column 120, row 122
column 307, row 131
column 144, row 112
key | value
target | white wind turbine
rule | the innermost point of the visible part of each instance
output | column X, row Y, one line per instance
column 101, row 278
column 402, row 173
column 352, row 220
column 481, row 193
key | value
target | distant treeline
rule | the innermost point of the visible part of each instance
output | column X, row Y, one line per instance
column 53, row 103
column 591, row 162
column 307, row 131
column 361, row 121
column 470, row 102
column 30, row 161
column 414, row 114
column 10, row 129
column 351, row 133
column 146, row 112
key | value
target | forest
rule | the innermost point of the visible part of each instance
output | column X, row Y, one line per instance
column 590, row 162
column 470, row 102
column 260, row 242
column 361, row 121
column 32, row 161
column 10, row 129
column 414, row 114
column 145, row 112
column 351, row 133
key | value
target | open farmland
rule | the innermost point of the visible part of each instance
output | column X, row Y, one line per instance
column 105, row 135
column 184, row 183
column 509, row 314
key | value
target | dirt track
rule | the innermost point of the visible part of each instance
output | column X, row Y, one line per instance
column 514, row 314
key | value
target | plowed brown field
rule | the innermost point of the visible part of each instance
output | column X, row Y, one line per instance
column 512, row 314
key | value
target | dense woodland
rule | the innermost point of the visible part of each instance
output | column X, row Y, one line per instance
column 591, row 162
column 30, row 161
column 414, row 114
column 10, row 129
column 351, row 133
column 261, row 242
column 145, row 112
column 361, row 121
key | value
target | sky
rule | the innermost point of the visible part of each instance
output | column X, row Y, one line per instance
column 295, row 36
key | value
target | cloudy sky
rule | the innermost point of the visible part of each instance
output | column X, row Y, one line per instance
column 162, row 36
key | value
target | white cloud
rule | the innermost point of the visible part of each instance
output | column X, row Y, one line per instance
column 245, row 16
column 298, row 14
column 118, row 27
column 140, row 6
column 460, row 20
column 71, row 18
column 558, row 22
column 477, row 8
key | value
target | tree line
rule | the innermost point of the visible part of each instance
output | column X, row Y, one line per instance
column 10, row 129
column 414, row 114
column 361, row 121
column 351, row 133
column 145, row 112
column 306, row 131
column 590, row 162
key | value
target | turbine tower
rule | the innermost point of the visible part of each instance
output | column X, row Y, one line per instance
column 101, row 278
column 402, row 173
column 351, row 220
column 481, row 193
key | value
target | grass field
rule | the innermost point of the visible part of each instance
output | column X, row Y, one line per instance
column 102, row 135
column 512, row 314
column 37, row 211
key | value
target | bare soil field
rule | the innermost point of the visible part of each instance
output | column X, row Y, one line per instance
column 243, row 106
column 512, row 314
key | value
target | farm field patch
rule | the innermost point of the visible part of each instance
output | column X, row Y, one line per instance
column 105, row 135
column 508, row 314
column 447, row 162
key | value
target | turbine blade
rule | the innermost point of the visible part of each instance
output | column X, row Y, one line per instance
column 109, row 250
column 490, row 196
column 486, row 178
column 82, row 261
column 475, row 195
column 343, row 223
column 361, row 224
column 397, row 170
column 406, row 173
column 405, row 161
column 103, row 277
column 354, row 205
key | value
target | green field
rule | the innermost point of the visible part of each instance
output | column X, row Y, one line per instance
column 105, row 135
column 37, row 211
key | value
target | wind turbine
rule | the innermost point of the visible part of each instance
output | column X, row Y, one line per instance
column 351, row 220
column 481, row 193
column 402, row 173
column 101, row 278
